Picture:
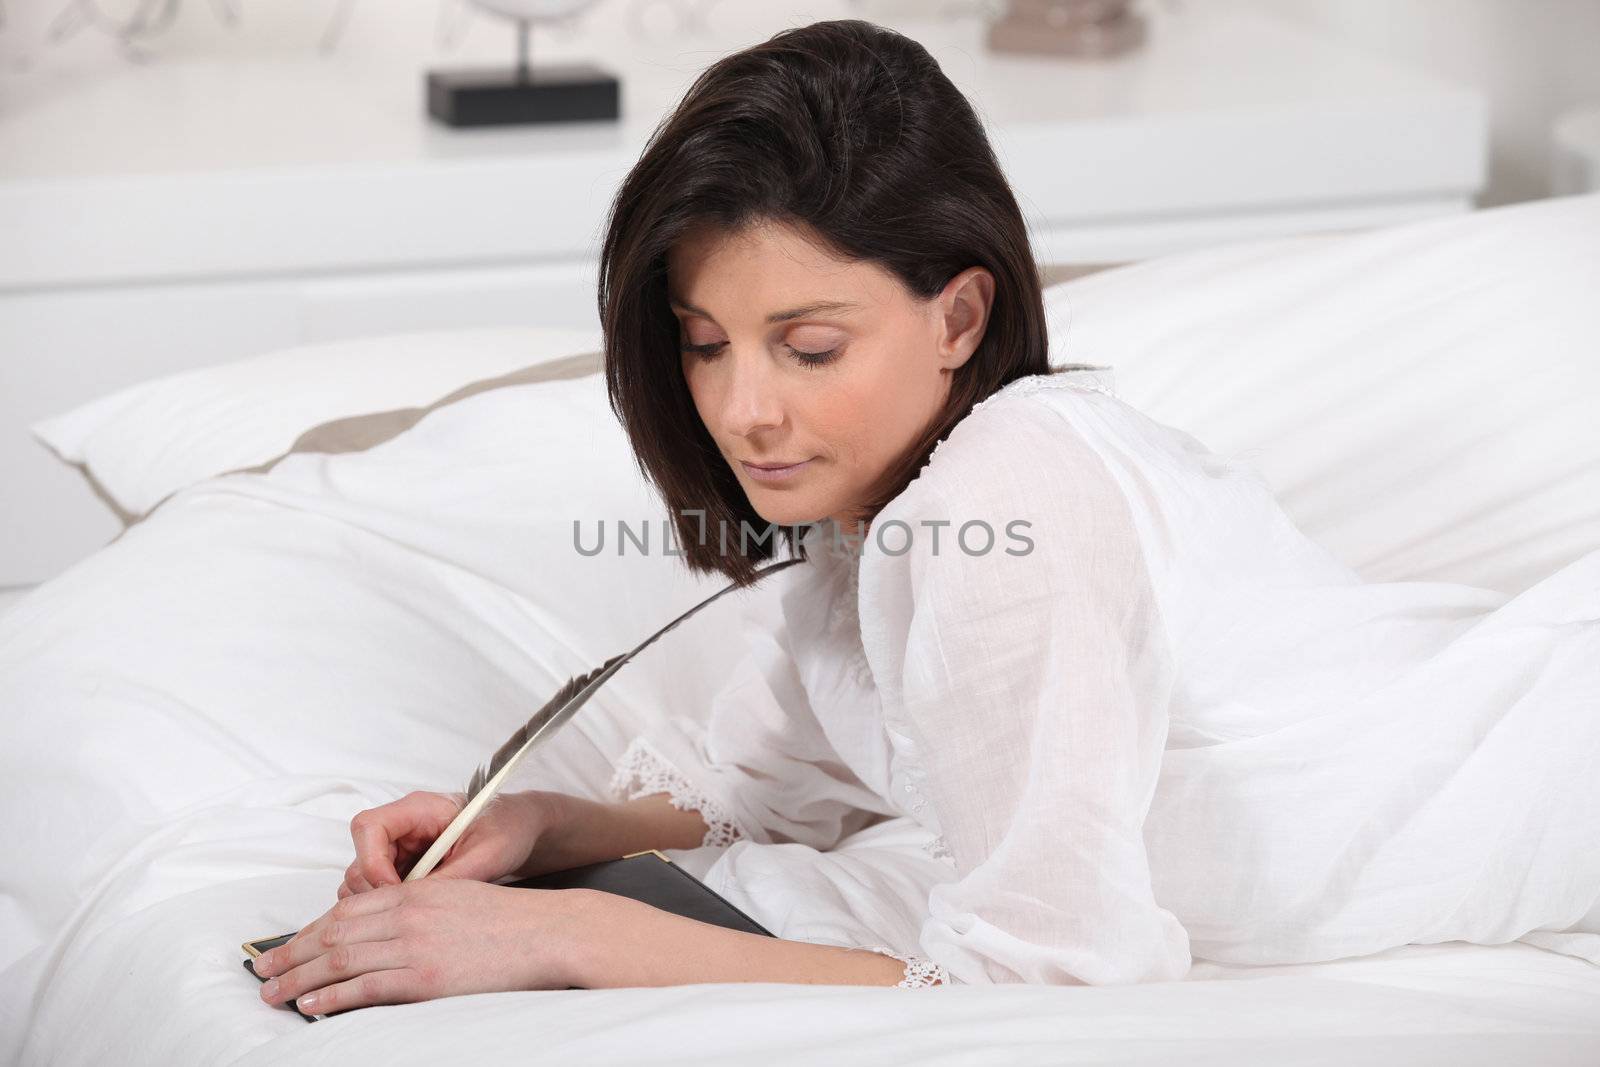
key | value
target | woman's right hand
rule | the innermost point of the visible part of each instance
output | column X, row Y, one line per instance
column 390, row 838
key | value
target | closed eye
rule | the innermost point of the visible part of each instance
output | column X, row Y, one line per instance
column 808, row 359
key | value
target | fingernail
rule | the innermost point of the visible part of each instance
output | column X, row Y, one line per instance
column 306, row 1003
column 270, row 989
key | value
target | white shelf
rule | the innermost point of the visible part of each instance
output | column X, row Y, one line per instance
column 308, row 165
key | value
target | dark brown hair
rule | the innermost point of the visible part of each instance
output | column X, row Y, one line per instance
column 847, row 131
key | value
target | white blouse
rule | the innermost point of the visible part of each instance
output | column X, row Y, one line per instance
column 1140, row 715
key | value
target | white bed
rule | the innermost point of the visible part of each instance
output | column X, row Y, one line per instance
column 11, row 594
column 192, row 715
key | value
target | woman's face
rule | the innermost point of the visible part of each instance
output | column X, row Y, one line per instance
column 827, row 368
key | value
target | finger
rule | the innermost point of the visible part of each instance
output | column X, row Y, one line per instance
column 303, row 944
column 392, row 986
column 375, row 847
column 323, row 936
column 340, row 963
column 376, row 899
column 355, row 881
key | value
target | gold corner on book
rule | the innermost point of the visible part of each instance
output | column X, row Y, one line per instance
column 645, row 852
column 250, row 948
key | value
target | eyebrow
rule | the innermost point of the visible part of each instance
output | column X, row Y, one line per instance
column 777, row 316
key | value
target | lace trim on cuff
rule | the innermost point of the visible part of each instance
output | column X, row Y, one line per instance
column 641, row 773
column 920, row 971
column 937, row 849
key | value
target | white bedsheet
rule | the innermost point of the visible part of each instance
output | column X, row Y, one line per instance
column 153, row 953
column 165, row 973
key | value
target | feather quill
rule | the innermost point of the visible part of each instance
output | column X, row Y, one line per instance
column 487, row 780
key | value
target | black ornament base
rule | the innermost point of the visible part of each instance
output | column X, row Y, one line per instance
column 505, row 96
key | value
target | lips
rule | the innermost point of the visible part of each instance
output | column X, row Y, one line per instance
column 772, row 466
column 775, row 474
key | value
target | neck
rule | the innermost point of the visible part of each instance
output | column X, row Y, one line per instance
column 850, row 525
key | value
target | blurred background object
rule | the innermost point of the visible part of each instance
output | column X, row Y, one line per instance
column 130, row 25
column 1529, row 60
column 525, row 92
column 187, row 183
column 1575, row 157
column 1085, row 28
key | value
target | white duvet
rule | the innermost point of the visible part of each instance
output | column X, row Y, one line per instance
column 192, row 716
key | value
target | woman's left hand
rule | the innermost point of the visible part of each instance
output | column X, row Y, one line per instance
column 429, row 938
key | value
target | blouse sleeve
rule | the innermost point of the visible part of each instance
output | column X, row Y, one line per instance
column 1035, row 689
column 760, row 767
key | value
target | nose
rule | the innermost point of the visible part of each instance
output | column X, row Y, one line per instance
column 752, row 402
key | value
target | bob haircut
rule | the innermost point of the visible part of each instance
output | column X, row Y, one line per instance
column 851, row 133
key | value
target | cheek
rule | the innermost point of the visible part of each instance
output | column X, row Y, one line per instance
column 887, row 407
column 854, row 423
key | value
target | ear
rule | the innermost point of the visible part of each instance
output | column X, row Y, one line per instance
column 961, row 315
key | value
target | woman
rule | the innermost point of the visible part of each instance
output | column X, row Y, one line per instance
column 1132, row 712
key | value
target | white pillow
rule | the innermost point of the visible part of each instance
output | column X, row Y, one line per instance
column 329, row 634
column 1424, row 398
column 143, row 443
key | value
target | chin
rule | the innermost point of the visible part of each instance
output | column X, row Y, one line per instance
column 786, row 515
column 783, row 509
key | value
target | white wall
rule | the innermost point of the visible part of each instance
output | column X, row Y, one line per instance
column 1532, row 58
